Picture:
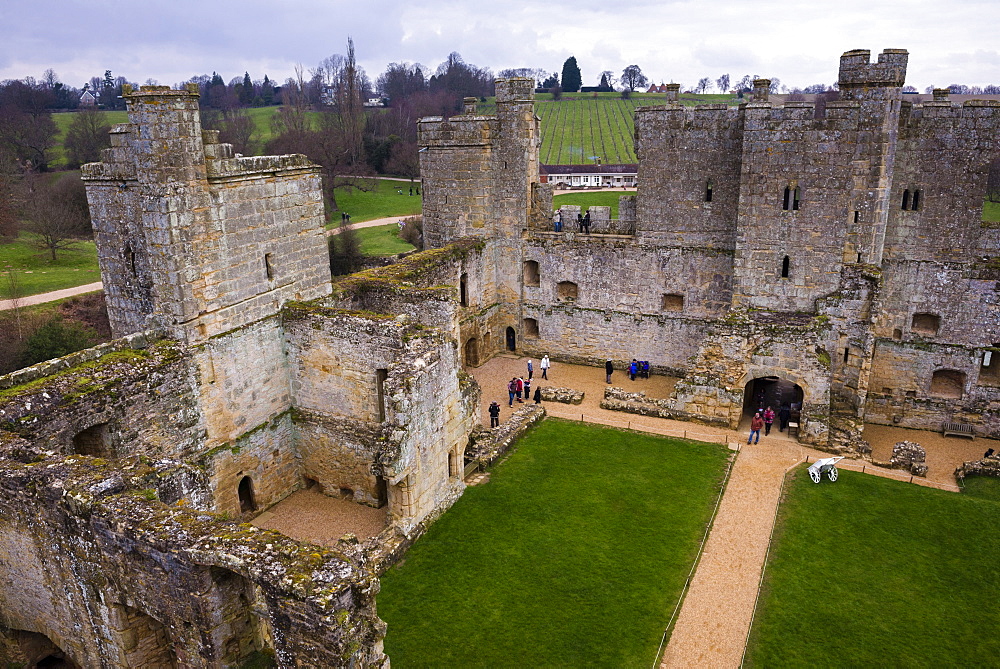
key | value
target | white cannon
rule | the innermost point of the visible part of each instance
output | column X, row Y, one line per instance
column 824, row 466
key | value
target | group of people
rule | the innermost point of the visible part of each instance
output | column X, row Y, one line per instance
column 582, row 220
column 637, row 368
column 765, row 419
column 520, row 387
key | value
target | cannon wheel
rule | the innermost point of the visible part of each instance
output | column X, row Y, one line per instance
column 815, row 475
column 832, row 474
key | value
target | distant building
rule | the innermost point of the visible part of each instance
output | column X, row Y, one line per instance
column 88, row 99
column 590, row 176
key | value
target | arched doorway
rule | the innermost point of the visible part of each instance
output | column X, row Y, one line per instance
column 472, row 353
column 771, row 391
column 511, row 339
column 247, row 501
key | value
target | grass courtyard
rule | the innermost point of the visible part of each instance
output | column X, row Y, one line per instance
column 573, row 554
column 869, row 571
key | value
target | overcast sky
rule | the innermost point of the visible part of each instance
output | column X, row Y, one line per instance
column 170, row 41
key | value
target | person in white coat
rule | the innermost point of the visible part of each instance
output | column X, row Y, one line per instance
column 544, row 366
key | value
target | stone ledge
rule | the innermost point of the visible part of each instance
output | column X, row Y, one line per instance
column 984, row 467
column 486, row 445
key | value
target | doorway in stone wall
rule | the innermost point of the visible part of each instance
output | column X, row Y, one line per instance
column 771, row 391
column 511, row 339
column 247, row 501
column 472, row 353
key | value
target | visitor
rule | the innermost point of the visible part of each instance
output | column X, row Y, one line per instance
column 609, row 368
column 411, row 191
column 531, row 369
column 545, row 364
column 527, row 389
column 768, row 420
column 512, row 390
column 538, row 395
column 586, row 223
column 518, row 389
column 494, row 415
column 645, row 369
column 784, row 415
column 557, row 221
column 755, row 424
column 632, row 369
column 579, row 221
column 988, row 454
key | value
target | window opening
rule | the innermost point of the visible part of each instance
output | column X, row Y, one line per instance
column 268, row 267
column 130, row 258
column 847, row 354
column 708, row 192
column 532, row 277
column 897, row 334
column 795, row 199
column 530, row 327
column 93, row 441
column 948, row 383
column 462, row 296
column 567, row 290
column 857, row 216
column 859, row 258
column 672, row 302
column 925, row 324
column 785, row 264
column 906, row 199
column 786, row 199
column 380, row 376
column 916, row 200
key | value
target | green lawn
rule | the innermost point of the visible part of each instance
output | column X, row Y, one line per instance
column 573, row 554
column 36, row 273
column 991, row 212
column 383, row 202
column 984, row 487
column 872, row 572
column 382, row 240
column 62, row 120
column 586, row 199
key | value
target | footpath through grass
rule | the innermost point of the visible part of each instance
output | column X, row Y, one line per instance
column 872, row 572
column 573, row 554
column 37, row 273
column 390, row 198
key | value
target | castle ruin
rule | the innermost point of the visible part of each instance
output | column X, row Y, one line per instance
column 837, row 260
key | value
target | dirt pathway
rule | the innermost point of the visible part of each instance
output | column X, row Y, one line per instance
column 52, row 296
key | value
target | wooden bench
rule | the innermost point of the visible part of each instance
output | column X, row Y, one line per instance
column 957, row 430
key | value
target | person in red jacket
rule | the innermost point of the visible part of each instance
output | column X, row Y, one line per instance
column 768, row 420
column 755, row 426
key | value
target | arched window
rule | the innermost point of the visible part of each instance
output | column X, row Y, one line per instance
column 708, row 191
column 463, row 298
column 906, row 199
column 785, row 264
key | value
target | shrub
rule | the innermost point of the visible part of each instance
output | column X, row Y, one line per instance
column 55, row 338
column 413, row 231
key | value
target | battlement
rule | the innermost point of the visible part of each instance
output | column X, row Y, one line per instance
column 857, row 72
column 515, row 89
column 457, row 131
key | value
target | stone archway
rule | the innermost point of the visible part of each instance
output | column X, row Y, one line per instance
column 511, row 339
column 771, row 391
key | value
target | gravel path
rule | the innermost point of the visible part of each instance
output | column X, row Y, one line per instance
column 309, row 515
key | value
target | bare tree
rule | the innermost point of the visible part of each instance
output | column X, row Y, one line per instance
column 57, row 215
column 703, row 85
column 723, row 83
column 87, row 135
column 632, row 78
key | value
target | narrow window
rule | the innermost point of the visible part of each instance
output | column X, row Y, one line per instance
column 847, row 354
column 245, row 492
column 906, row 199
column 462, row 296
column 531, row 273
column 708, row 192
column 785, row 263
column 857, row 216
column 130, row 258
column 268, row 267
column 859, row 258
column 897, row 334
column 380, row 376
column 795, row 198
column 916, row 200
column 786, row 201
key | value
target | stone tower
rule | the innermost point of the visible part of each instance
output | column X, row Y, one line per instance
column 192, row 238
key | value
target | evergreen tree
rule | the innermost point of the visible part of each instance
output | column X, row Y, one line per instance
column 571, row 77
column 267, row 92
column 246, row 94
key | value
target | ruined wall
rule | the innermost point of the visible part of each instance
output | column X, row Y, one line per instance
column 115, row 578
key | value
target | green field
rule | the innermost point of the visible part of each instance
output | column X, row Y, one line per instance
column 573, row 554
column 873, row 572
column 585, row 199
column 383, row 202
column 36, row 273
column 382, row 240
column 991, row 212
